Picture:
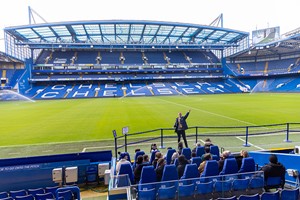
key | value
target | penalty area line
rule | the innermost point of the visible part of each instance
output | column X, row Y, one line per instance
column 250, row 143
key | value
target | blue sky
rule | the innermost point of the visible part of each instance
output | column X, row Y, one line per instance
column 238, row 14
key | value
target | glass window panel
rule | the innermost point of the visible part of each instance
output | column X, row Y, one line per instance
column 122, row 28
column 136, row 29
column 217, row 34
column 165, row 30
column 204, row 33
column 190, row 32
column 151, row 29
column 27, row 33
column 178, row 30
column 107, row 29
column 61, row 30
column 44, row 31
column 92, row 29
column 78, row 29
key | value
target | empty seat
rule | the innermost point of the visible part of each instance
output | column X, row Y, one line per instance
column 170, row 176
column 166, row 192
column 147, row 194
column 248, row 165
column 215, row 151
column 66, row 195
column 229, row 198
column 204, row 190
column 51, row 189
column 45, row 196
column 148, row 175
column 240, row 186
column 190, row 174
column 270, row 195
column 256, row 185
column 122, row 180
column 211, row 170
column 187, row 153
column 7, row 198
column 3, row 195
column 170, row 152
column 230, row 167
column 186, row 190
column 249, row 197
column 222, row 188
column 200, row 151
column 26, row 197
column 196, row 160
column 35, row 191
column 15, row 193
column 290, row 194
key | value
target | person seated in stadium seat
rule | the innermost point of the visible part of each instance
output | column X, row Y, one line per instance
column 138, row 168
column 198, row 144
column 223, row 156
column 239, row 159
column 158, row 155
column 206, row 150
column 182, row 162
column 153, row 148
column 174, row 156
column 206, row 157
column 146, row 160
column 207, row 142
column 274, row 169
column 123, row 159
column 180, row 147
column 160, row 168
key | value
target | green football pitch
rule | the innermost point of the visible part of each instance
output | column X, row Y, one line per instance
column 63, row 126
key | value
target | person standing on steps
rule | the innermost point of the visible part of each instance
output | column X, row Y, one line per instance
column 180, row 126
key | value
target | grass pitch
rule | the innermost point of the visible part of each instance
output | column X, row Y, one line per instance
column 81, row 123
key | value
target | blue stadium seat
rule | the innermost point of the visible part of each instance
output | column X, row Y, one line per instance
column 3, row 195
column 51, row 189
column 26, row 197
column 270, row 195
column 187, row 153
column 215, row 151
column 290, row 194
column 273, row 182
column 35, row 191
column 229, row 198
column 147, row 194
column 222, row 188
column 211, row 170
column 196, row 160
column 249, row 197
column 190, row 174
column 148, row 175
column 152, row 156
column 240, row 186
column 8, row 198
column 66, row 195
column 248, row 165
column 204, row 190
column 230, row 167
column 186, row 190
column 45, row 196
column 200, row 151
column 13, row 194
column 170, row 176
column 166, row 192
column 125, row 169
column 256, row 185
column 170, row 152
column 176, row 162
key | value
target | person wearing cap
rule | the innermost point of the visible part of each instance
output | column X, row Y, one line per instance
column 180, row 126
column 123, row 160
column 274, row 169
column 206, row 157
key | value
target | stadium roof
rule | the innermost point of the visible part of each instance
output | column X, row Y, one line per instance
column 125, row 34
column 287, row 45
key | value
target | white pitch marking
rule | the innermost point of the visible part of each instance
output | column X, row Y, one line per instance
column 250, row 143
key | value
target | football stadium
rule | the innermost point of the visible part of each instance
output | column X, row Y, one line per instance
column 144, row 109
